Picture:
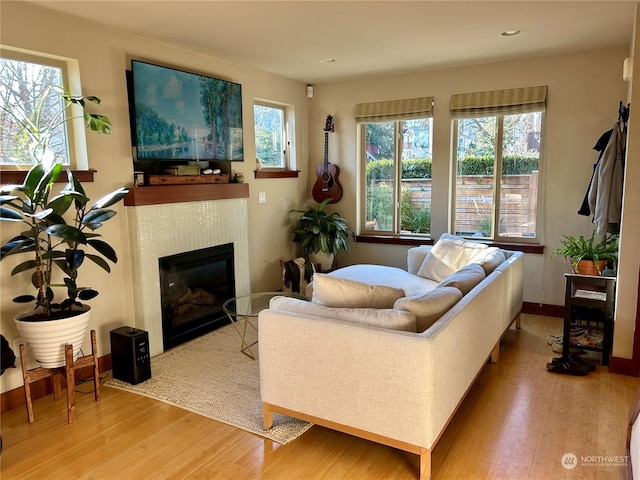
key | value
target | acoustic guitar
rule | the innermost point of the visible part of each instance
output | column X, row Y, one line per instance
column 327, row 185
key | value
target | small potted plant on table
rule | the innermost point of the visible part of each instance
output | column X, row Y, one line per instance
column 588, row 256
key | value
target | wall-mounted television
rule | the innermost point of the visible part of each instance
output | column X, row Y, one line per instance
column 180, row 116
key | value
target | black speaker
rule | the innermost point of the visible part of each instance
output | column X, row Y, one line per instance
column 130, row 359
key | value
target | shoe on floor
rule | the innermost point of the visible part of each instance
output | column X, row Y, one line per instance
column 575, row 334
column 576, row 357
column 568, row 367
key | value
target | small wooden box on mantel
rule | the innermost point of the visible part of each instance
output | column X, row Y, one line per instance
column 187, row 179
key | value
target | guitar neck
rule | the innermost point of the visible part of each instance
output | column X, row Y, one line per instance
column 326, row 150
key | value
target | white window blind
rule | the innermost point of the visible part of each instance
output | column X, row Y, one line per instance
column 406, row 109
column 499, row 102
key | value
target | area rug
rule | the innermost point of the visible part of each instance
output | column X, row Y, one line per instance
column 211, row 377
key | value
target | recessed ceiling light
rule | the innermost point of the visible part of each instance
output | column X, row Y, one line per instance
column 327, row 60
column 512, row 33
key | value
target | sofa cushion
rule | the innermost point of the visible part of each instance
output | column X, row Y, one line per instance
column 465, row 279
column 332, row 291
column 396, row 319
column 489, row 259
column 415, row 257
column 449, row 254
column 384, row 275
column 429, row 306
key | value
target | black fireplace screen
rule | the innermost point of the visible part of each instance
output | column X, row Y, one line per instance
column 193, row 287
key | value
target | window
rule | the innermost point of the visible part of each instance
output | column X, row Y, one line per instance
column 24, row 81
column 497, row 163
column 396, row 162
column 271, row 136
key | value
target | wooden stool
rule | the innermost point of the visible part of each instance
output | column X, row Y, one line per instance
column 69, row 369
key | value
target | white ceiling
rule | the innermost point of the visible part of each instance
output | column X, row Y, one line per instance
column 365, row 37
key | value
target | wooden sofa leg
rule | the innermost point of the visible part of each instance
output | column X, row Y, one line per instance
column 495, row 353
column 425, row 464
column 518, row 322
column 267, row 416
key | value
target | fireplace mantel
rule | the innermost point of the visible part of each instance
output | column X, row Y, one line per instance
column 155, row 195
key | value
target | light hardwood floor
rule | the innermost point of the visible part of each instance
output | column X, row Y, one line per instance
column 517, row 422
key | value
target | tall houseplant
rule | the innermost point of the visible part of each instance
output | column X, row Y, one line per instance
column 56, row 246
column 320, row 232
column 588, row 256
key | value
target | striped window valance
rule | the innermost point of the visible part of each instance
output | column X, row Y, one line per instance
column 499, row 102
column 390, row 110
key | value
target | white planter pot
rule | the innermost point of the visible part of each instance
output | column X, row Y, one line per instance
column 47, row 340
column 325, row 260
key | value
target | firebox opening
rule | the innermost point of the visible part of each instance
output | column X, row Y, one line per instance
column 193, row 287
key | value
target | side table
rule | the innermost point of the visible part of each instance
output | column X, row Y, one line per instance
column 243, row 312
column 589, row 299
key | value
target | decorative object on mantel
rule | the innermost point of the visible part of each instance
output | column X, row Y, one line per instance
column 229, row 393
column 56, row 246
column 588, row 257
column 321, row 235
column 238, row 177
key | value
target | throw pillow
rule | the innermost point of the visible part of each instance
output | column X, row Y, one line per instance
column 465, row 279
column 489, row 259
column 385, row 318
column 415, row 258
column 429, row 306
column 339, row 292
column 449, row 254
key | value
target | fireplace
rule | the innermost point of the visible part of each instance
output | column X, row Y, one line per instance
column 161, row 230
column 193, row 287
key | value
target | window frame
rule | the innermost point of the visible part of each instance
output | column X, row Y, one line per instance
column 288, row 156
column 74, row 123
column 495, row 236
column 397, row 180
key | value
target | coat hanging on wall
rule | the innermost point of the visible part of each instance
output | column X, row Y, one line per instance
column 605, row 190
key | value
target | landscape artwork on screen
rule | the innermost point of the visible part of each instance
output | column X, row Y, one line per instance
column 185, row 116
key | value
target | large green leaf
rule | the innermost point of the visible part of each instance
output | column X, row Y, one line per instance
column 17, row 244
column 94, row 218
column 9, row 215
column 32, row 180
column 67, row 233
column 42, row 189
column 74, row 258
column 28, row 265
column 98, row 123
column 111, row 198
column 99, row 261
column 104, row 248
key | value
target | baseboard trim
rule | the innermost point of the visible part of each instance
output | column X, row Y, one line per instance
column 41, row 388
column 624, row 366
column 543, row 309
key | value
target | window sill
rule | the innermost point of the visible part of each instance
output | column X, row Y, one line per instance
column 16, row 177
column 276, row 173
column 415, row 241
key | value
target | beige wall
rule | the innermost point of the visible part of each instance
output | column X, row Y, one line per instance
column 584, row 92
column 104, row 56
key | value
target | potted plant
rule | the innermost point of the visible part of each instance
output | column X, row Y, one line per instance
column 588, row 256
column 320, row 234
column 56, row 246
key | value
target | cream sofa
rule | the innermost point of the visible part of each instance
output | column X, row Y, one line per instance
column 385, row 383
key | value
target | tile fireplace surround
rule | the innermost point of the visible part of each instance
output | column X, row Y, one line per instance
column 159, row 230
